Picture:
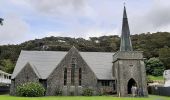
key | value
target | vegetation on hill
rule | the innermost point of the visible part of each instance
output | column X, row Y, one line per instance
column 153, row 45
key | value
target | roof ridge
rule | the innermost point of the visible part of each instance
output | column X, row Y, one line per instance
column 65, row 51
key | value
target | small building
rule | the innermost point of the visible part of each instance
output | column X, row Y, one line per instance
column 166, row 76
column 5, row 78
column 73, row 71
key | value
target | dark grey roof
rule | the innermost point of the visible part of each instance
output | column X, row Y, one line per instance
column 2, row 72
column 44, row 62
column 100, row 63
column 126, row 44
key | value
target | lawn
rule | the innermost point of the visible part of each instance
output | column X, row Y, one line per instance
column 156, row 78
column 152, row 97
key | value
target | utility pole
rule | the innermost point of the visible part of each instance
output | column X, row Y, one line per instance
column 1, row 21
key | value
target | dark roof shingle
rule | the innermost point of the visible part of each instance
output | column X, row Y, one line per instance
column 44, row 62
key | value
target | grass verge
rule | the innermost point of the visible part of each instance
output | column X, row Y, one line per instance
column 151, row 97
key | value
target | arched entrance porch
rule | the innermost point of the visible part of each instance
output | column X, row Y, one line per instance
column 131, row 83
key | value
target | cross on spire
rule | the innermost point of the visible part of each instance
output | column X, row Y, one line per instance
column 124, row 3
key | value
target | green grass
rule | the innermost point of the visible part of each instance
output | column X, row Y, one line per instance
column 152, row 97
column 156, row 78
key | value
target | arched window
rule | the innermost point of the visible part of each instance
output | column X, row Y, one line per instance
column 80, row 76
column 73, row 66
column 65, row 76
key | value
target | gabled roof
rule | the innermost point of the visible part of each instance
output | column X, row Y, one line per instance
column 100, row 63
column 44, row 62
column 2, row 72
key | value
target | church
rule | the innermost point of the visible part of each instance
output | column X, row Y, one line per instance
column 73, row 71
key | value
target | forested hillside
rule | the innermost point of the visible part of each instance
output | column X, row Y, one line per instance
column 153, row 45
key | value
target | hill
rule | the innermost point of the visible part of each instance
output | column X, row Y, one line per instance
column 151, row 44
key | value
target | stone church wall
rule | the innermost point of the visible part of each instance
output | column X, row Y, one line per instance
column 129, row 65
column 55, row 82
column 27, row 74
column 106, row 89
column 129, row 69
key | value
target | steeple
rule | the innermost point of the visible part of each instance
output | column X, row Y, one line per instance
column 125, row 44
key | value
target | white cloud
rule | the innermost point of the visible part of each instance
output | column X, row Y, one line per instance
column 81, row 18
column 96, row 17
column 19, row 2
column 165, row 28
column 14, row 30
column 57, row 7
column 155, row 19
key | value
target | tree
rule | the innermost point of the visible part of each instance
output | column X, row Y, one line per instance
column 154, row 67
column 164, row 56
column 8, row 66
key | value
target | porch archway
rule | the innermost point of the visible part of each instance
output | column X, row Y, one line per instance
column 131, row 83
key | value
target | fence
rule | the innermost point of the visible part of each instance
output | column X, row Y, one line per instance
column 4, row 89
column 163, row 91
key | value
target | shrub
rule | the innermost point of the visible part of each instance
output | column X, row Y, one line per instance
column 100, row 93
column 154, row 67
column 58, row 92
column 30, row 89
column 87, row 92
column 104, row 93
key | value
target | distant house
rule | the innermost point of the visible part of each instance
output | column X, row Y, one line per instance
column 166, row 76
column 73, row 71
column 5, row 78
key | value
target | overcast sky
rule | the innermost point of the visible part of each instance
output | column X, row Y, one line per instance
column 29, row 19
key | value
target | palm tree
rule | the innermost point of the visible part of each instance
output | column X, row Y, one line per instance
column 1, row 21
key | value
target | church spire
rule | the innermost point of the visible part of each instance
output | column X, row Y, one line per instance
column 126, row 44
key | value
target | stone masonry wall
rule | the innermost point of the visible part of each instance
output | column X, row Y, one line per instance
column 27, row 74
column 56, row 79
column 127, row 69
